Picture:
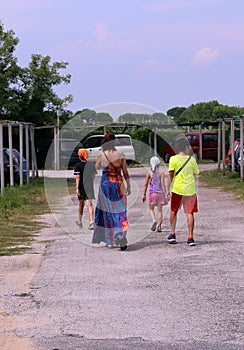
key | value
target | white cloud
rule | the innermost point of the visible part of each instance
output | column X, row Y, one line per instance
column 102, row 36
column 205, row 56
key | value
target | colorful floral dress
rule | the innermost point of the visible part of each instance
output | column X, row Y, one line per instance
column 111, row 223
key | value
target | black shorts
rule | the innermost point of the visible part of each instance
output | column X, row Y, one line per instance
column 86, row 195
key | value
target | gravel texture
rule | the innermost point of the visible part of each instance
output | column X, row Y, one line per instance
column 71, row 295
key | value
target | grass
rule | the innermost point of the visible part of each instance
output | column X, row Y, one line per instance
column 228, row 183
column 18, row 208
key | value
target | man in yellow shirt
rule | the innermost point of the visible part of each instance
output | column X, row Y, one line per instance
column 182, row 168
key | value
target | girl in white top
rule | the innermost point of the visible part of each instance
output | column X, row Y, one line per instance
column 156, row 180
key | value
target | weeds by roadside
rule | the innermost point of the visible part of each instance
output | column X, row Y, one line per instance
column 228, row 183
column 18, row 208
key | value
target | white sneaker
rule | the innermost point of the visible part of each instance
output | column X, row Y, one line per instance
column 91, row 226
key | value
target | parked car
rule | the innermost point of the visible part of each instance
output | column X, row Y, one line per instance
column 123, row 143
column 69, row 151
column 209, row 145
column 16, row 166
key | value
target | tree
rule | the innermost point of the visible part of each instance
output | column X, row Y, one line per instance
column 175, row 112
column 39, row 101
column 9, row 74
column 104, row 118
column 202, row 111
column 135, row 118
column 221, row 112
column 159, row 118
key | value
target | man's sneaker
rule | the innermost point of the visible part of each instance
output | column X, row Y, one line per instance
column 154, row 225
column 171, row 238
column 191, row 242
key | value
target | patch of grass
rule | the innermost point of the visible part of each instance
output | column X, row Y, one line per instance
column 18, row 208
column 228, row 183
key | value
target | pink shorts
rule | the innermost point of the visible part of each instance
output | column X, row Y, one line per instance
column 189, row 203
column 157, row 198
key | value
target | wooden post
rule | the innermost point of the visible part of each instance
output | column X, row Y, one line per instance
column 32, row 152
column 232, row 133
column 219, row 145
column 27, row 154
column 223, row 147
column 241, row 148
column 155, row 141
column 1, row 159
column 55, row 147
column 58, row 140
column 200, row 141
column 10, row 146
column 21, row 154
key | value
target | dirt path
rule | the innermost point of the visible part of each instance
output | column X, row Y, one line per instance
column 69, row 295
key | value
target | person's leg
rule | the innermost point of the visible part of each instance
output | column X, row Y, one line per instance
column 190, row 207
column 80, row 210
column 190, row 224
column 173, row 220
column 160, row 216
column 152, row 214
column 175, row 205
column 90, row 210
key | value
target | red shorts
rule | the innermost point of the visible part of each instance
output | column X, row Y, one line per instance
column 189, row 203
column 157, row 198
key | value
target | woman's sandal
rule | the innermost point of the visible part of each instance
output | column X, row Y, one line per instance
column 123, row 244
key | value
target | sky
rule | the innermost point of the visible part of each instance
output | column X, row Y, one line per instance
column 154, row 55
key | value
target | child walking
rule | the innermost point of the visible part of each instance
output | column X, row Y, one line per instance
column 85, row 173
column 156, row 180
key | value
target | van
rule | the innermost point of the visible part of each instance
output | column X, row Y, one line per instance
column 209, row 145
column 123, row 143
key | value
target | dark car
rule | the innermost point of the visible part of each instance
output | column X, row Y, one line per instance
column 69, row 151
column 16, row 166
column 209, row 145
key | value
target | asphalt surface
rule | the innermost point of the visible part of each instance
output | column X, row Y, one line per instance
column 154, row 295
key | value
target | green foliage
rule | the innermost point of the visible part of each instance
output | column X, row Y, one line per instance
column 204, row 111
column 26, row 94
column 176, row 112
column 142, row 118
column 40, row 102
column 9, row 73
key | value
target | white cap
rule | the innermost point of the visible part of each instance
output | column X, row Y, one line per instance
column 154, row 161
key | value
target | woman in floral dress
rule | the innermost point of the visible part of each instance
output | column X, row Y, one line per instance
column 111, row 222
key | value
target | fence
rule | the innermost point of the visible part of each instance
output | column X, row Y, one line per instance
column 26, row 149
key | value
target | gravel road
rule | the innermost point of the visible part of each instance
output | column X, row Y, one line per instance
column 152, row 296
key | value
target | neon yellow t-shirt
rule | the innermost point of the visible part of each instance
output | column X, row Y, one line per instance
column 184, row 182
